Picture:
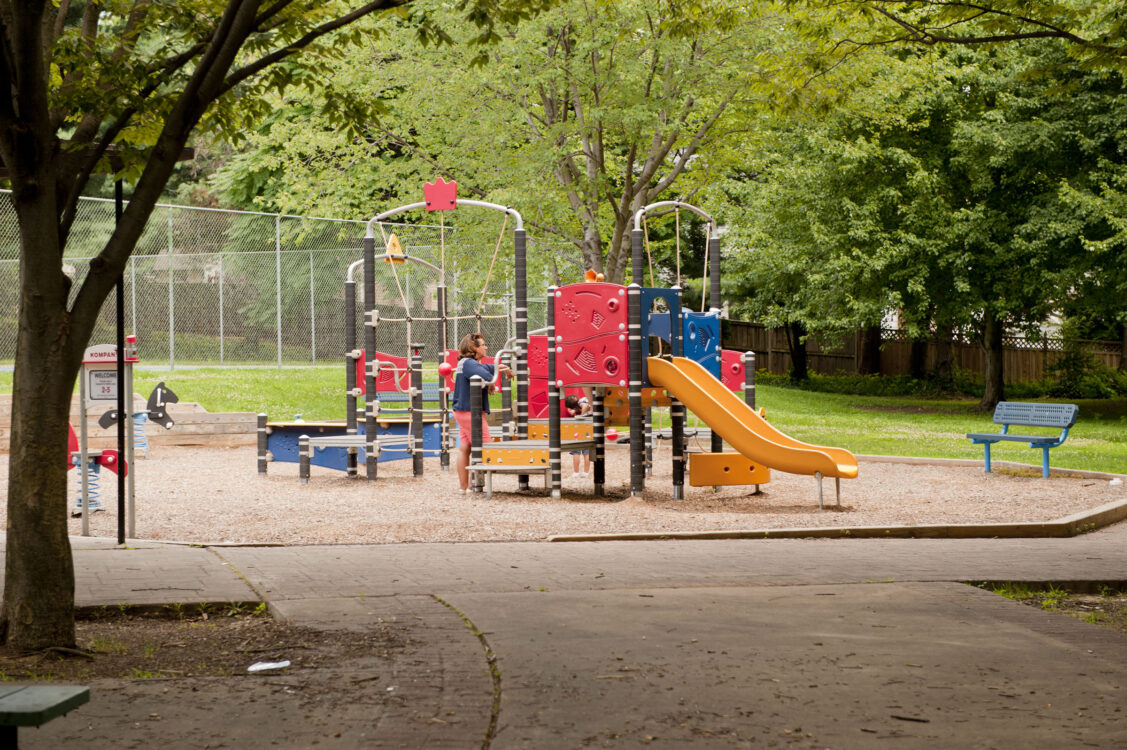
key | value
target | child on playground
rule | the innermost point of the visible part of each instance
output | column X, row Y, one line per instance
column 472, row 349
column 576, row 406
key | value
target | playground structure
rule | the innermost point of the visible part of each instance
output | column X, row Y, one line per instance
column 402, row 418
column 598, row 340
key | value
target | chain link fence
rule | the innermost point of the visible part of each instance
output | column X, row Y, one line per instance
column 220, row 287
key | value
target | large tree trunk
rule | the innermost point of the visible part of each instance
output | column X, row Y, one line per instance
column 797, row 346
column 944, row 361
column 992, row 330
column 917, row 359
column 869, row 361
column 1123, row 347
column 39, row 572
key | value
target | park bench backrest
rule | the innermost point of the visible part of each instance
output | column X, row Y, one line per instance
column 1061, row 416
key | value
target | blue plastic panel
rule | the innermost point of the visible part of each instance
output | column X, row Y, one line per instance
column 282, row 442
column 672, row 299
column 701, row 336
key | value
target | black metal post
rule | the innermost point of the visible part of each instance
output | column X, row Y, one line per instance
column 417, row 409
column 553, row 400
column 598, row 416
column 122, row 414
column 350, row 370
column 261, row 429
column 520, row 373
column 370, row 366
column 749, row 386
column 634, row 379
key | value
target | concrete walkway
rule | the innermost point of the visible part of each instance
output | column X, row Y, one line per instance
column 736, row 643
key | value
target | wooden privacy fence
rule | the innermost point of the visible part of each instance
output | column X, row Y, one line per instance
column 1024, row 360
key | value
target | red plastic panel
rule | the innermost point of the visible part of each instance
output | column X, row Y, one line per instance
column 591, row 340
column 732, row 369
column 440, row 195
column 386, row 379
column 451, row 358
column 538, row 378
column 538, row 357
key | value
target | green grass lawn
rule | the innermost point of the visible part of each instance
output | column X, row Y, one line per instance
column 896, row 426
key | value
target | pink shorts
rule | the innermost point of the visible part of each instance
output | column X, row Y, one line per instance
column 464, row 426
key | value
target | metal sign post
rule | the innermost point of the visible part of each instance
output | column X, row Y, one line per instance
column 100, row 385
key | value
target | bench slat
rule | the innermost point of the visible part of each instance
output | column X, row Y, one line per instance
column 33, row 705
column 1035, row 414
column 1013, row 438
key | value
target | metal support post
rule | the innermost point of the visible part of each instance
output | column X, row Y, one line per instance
column 417, row 409
column 634, row 379
column 553, row 399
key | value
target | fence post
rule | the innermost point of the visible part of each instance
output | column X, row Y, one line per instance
column 171, row 298
column 312, row 313
column 221, row 308
column 278, row 281
column 133, row 289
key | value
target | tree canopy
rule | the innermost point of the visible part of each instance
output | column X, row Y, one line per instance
column 980, row 199
column 579, row 118
column 121, row 85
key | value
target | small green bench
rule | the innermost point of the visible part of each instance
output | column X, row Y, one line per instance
column 1010, row 413
column 34, row 705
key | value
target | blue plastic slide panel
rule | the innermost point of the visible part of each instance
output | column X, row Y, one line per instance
column 701, row 336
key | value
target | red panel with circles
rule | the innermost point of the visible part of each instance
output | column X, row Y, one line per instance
column 732, row 369
column 591, row 335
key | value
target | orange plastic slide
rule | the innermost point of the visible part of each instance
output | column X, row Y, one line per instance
column 741, row 427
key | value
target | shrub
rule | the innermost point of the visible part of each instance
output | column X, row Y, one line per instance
column 1077, row 374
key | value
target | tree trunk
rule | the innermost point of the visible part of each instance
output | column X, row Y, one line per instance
column 944, row 362
column 992, row 330
column 1123, row 347
column 869, row 363
column 797, row 346
column 917, row 359
column 38, row 606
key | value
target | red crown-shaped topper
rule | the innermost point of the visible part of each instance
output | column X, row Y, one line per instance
column 440, row 195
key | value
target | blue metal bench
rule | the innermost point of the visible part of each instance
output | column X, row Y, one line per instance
column 1009, row 413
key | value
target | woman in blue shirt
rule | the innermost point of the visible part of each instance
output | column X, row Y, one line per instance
column 472, row 350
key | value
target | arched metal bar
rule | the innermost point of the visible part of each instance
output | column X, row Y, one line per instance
column 671, row 204
column 412, row 206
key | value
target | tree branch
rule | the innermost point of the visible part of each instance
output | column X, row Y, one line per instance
column 242, row 74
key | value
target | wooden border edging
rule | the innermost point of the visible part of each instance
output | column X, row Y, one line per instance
column 1074, row 525
column 1068, row 526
